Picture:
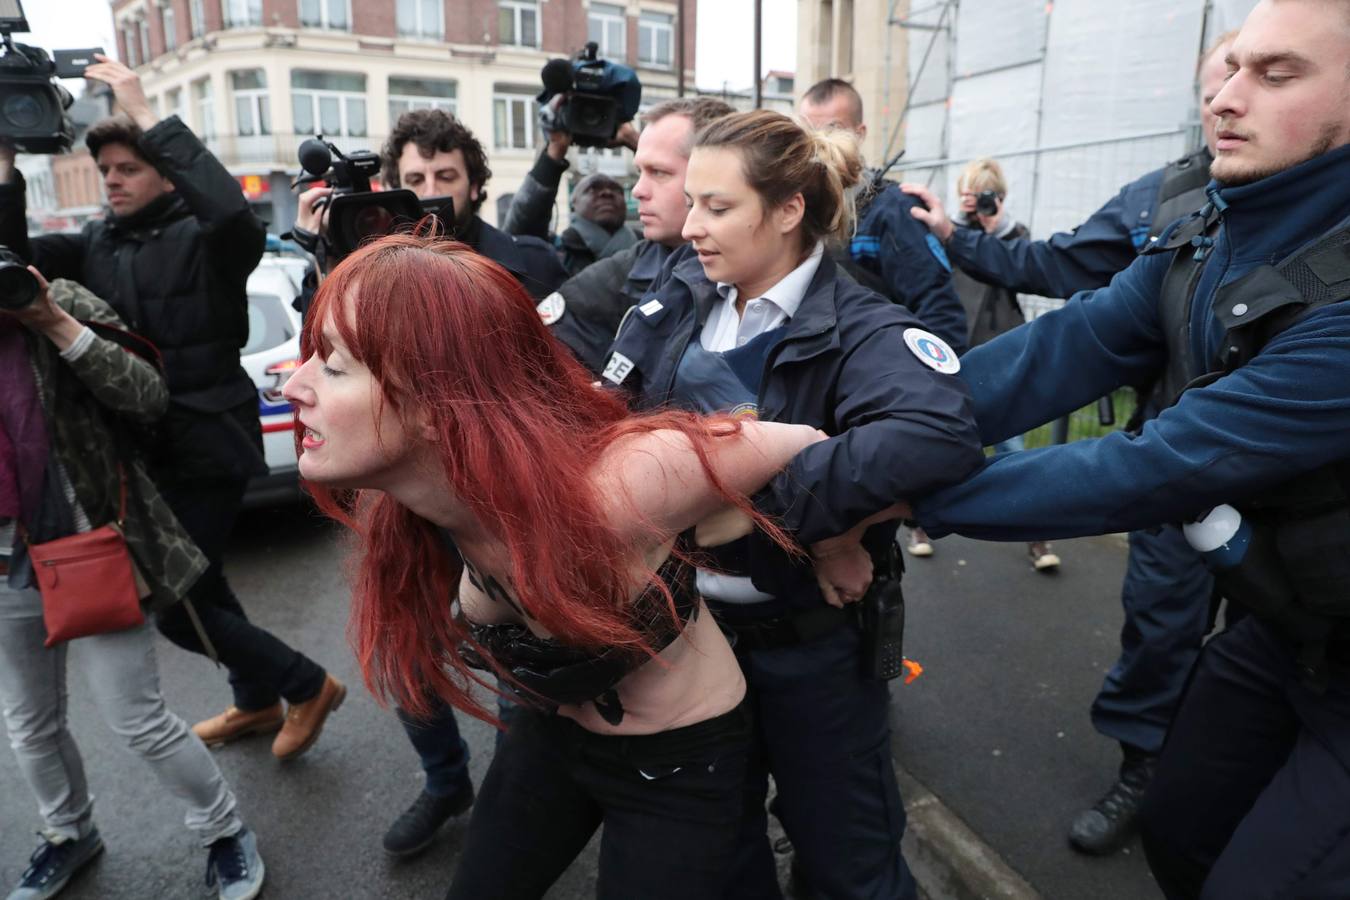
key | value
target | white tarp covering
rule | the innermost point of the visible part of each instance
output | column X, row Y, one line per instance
column 1113, row 78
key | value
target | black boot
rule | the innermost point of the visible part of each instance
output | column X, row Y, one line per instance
column 1110, row 823
column 413, row 831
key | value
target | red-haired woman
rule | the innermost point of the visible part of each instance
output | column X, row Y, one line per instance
column 517, row 519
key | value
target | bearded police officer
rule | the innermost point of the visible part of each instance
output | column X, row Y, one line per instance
column 1244, row 305
column 1167, row 588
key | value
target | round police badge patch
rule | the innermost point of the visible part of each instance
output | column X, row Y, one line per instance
column 551, row 308
column 932, row 351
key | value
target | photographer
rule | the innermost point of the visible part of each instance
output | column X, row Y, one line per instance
column 172, row 258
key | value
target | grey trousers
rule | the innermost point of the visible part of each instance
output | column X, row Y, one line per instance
column 123, row 678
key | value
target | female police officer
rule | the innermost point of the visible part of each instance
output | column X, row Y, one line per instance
column 756, row 319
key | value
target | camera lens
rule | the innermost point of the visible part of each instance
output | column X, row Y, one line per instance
column 18, row 287
column 22, row 111
column 372, row 220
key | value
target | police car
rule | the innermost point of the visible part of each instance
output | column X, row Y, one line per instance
column 270, row 356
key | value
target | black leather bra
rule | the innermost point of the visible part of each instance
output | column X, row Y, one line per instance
column 554, row 673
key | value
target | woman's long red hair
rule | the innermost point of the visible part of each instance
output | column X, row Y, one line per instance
column 519, row 428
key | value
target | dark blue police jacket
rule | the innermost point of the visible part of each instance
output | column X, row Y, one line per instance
column 1285, row 412
column 899, row 429
column 899, row 249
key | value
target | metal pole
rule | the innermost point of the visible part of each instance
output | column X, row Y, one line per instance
column 759, row 87
column 679, row 48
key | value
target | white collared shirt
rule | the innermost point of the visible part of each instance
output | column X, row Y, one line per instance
column 727, row 330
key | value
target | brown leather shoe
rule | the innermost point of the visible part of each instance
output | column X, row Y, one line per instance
column 235, row 723
column 305, row 720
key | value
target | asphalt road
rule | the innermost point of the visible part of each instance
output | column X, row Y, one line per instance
column 997, row 728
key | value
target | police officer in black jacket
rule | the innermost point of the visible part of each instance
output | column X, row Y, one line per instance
column 757, row 320
column 173, row 257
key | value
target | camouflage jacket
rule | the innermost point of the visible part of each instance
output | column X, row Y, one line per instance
column 83, row 399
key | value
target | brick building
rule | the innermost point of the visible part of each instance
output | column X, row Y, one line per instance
column 254, row 78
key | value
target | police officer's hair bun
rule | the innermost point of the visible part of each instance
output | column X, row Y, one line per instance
column 783, row 156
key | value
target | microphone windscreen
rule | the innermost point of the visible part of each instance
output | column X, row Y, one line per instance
column 314, row 156
column 557, row 76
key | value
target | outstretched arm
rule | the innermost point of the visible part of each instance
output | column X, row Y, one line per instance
column 657, row 481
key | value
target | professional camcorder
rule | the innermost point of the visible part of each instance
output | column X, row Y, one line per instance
column 18, row 287
column 601, row 96
column 32, row 103
column 357, row 213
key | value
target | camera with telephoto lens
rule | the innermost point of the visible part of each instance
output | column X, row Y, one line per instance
column 601, row 96
column 355, row 212
column 33, row 103
column 986, row 204
column 18, row 286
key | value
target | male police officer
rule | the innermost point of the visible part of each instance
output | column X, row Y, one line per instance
column 908, row 262
column 1167, row 587
column 586, row 311
column 1245, row 306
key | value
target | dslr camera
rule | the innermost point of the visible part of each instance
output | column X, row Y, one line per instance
column 357, row 213
column 32, row 103
column 601, row 96
column 986, row 204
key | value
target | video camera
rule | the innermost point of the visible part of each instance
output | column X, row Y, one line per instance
column 356, row 213
column 601, row 96
column 32, row 104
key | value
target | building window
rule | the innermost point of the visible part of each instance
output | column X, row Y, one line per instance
column 606, row 26
column 143, row 28
column 132, row 44
column 173, row 103
column 513, row 117
column 166, row 18
column 242, row 13
column 421, row 18
column 251, row 113
column 329, row 103
column 419, row 93
column 325, row 14
column 656, row 35
column 519, row 22
column 197, row 18
column 203, row 98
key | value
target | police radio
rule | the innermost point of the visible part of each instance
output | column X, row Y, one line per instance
column 882, row 611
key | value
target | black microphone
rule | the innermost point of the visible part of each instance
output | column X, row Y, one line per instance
column 315, row 157
column 557, row 76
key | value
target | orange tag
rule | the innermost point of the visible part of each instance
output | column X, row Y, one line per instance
column 912, row 670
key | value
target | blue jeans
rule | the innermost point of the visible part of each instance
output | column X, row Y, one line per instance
column 123, row 679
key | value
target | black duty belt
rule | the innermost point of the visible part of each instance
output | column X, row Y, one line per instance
column 787, row 630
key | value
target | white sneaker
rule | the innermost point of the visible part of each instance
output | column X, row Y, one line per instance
column 918, row 544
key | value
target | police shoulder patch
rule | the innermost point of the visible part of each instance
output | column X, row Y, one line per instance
column 551, row 308
column 651, row 307
column 932, row 351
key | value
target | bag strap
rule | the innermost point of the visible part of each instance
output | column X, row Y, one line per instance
column 197, row 626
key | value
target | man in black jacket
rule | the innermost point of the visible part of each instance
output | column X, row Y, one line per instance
column 173, row 257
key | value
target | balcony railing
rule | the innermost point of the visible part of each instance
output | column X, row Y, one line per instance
column 277, row 151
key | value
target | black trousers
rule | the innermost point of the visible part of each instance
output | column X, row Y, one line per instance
column 670, row 803
column 262, row 667
column 824, row 734
column 1252, row 794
